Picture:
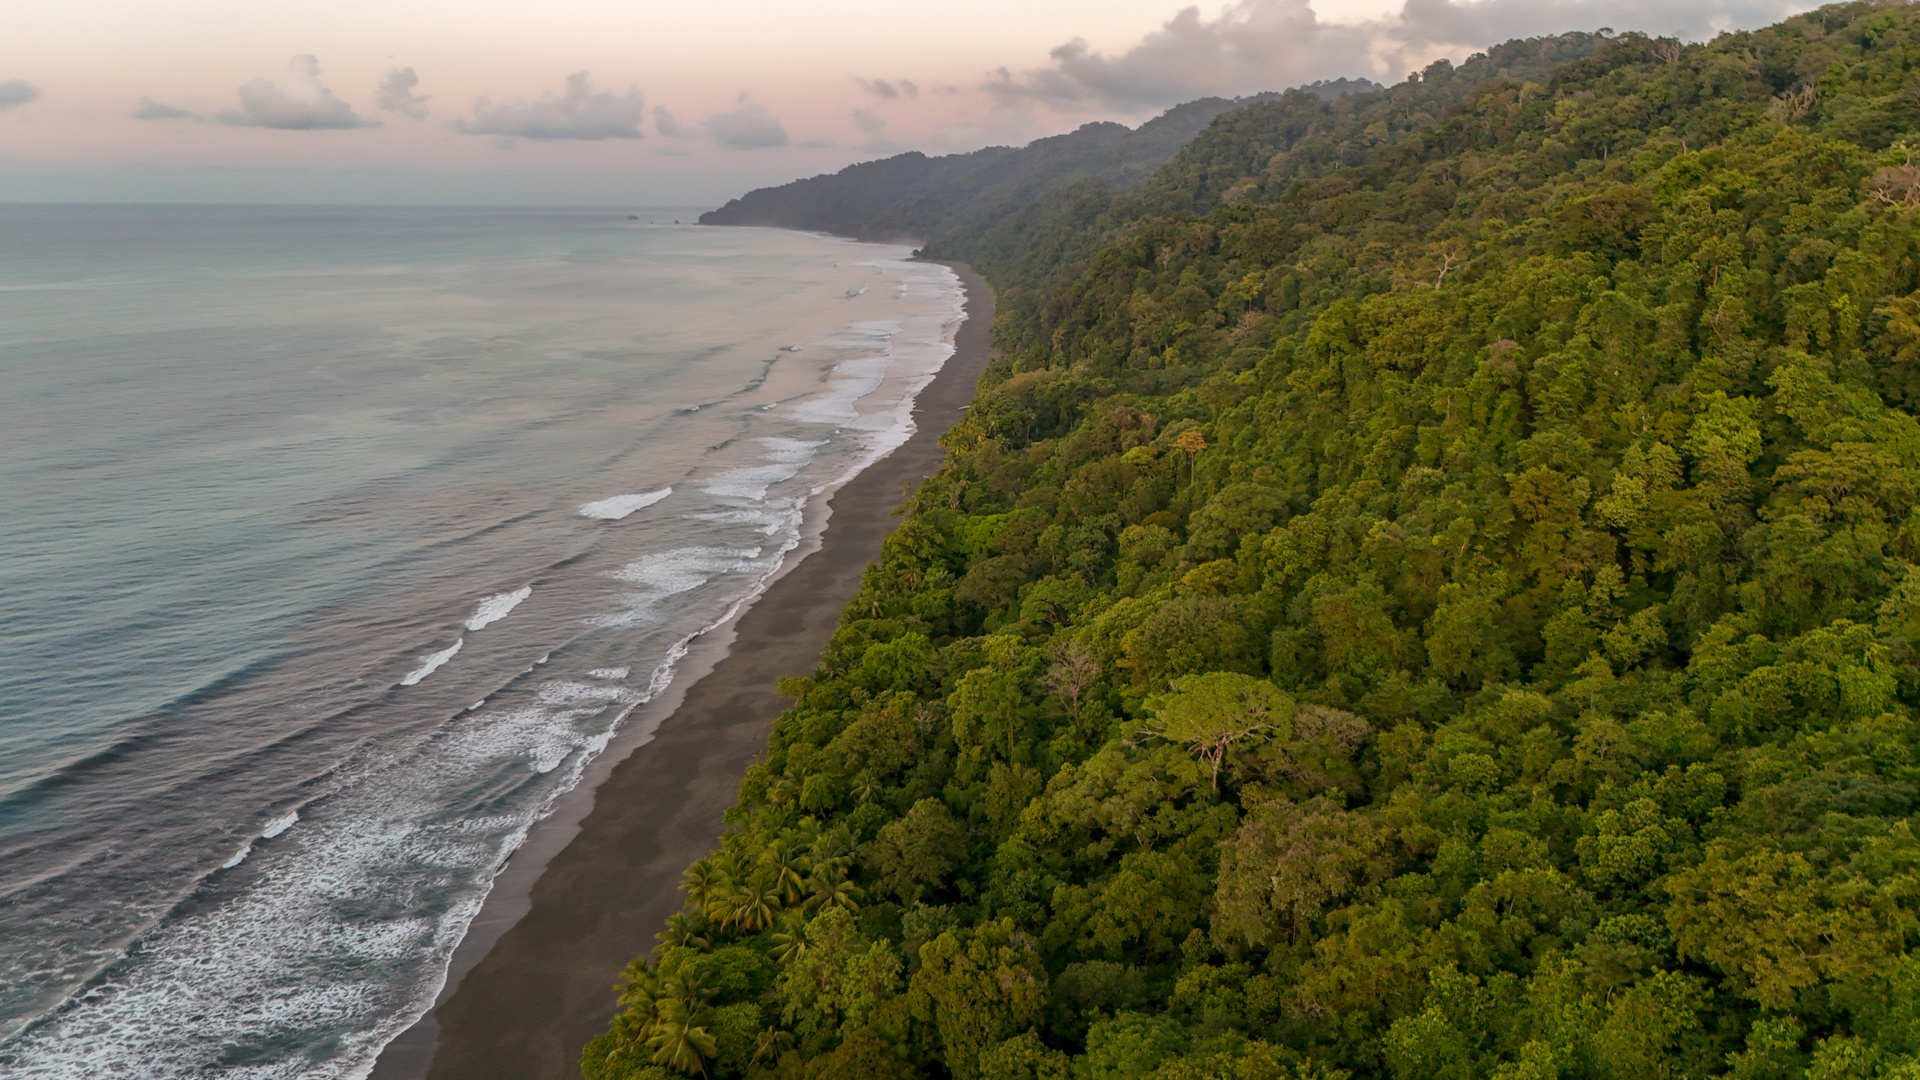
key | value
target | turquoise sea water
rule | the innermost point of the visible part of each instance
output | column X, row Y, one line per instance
column 334, row 544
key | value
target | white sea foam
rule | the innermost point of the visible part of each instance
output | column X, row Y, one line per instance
column 621, row 505
column 783, row 459
column 495, row 607
column 292, row 972
column 918, row 346
column 794, row 450
column 279, row 825
column 431, row 662
column 853, row 378
column 609, row 673
column 683, row 568
column 383, row 829
column 667, row 574
column 768, row 518
column 568, row 692
column 750, row 483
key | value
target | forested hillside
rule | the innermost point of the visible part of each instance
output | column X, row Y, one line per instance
column 914, row 196
column 1433, row 600
column 1029, row 247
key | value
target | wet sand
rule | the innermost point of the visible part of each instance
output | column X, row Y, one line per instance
column 533, row 981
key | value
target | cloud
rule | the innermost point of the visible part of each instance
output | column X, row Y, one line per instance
column 751, row 126
column 667, row 124
column 874, row 127
column 16, row 92
column 1256, row 45
column 395, row 94
column 578, row 113
column 1488, row 22
column 300, row 105
column 890, row 89
column 149, row 109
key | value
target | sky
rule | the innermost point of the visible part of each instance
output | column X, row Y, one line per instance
column 625, row 103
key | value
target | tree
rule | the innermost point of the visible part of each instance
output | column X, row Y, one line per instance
column 1074, row 671
column 1466, row 645
column 682, row 932
column 1778, row 925
column 830, row 887
column 1190, row 442
column 978, row 988
column 753, row 904
column 1285, row 865
column 916, row 851
column 678, row 1039
column 701, row 884
column 991, row 705
column 839, row 979
column 1209, row 713
column 788, row 865
column 1023, row 1057
column 1129, row 1046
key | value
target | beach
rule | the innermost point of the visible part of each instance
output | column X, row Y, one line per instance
column 533, row 982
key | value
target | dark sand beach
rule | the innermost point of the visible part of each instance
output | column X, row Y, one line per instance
column 533, row 983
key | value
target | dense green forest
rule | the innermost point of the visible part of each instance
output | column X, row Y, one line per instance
column 1429, row 592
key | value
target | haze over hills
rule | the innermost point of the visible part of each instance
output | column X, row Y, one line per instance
column 913, row 196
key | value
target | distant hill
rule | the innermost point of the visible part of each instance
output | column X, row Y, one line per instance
column 1028, row 249
column 913, row 196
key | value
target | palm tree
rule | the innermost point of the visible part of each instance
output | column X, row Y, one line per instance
column 679, row 1039
column 634, row 1027
column 789, row 938
column 805, row 833
column 755, row 903
column 834, row 843
column 683, row 933
column 728, row 864
column 687, row 989
column 725, row 888
column 638, row 983
column 831, row 888
column 787, row 863
column 773, row 1043
column 698, row 881
column 865, row 787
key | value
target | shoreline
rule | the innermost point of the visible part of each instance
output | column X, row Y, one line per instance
column 532, row 980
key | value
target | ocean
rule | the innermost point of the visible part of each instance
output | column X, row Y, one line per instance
column 336, row 543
